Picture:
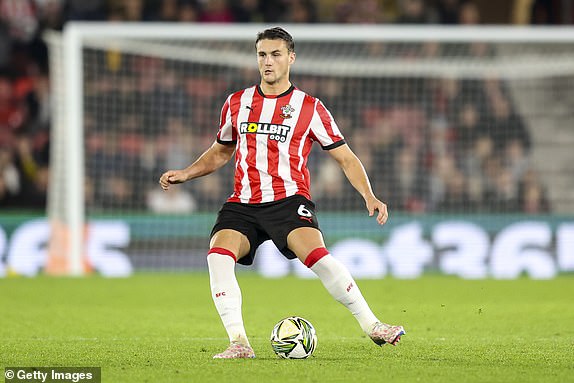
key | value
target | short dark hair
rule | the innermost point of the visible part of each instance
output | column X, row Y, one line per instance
column 277, row 33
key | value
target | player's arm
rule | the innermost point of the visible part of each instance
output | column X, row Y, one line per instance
column 211, row 160
column 357, row 176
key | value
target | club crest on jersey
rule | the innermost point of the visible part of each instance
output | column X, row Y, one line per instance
column 275, row 132
column 286, row 111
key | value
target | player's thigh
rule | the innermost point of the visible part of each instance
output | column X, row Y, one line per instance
column 231, row 240
column 304, row 240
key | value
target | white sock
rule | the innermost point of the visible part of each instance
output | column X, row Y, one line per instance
column 341, row 285
column 227, row 295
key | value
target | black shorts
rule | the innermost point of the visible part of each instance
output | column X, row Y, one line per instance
column 268, row 220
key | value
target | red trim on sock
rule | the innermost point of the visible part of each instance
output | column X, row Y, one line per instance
column 315, row 255
column 222, row 251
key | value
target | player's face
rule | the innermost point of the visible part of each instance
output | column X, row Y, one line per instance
column 274, row 60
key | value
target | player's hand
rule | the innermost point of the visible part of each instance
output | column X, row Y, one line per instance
column 374, row 204
column 172, row 177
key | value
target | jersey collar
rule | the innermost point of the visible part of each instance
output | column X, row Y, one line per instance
column 275, row 96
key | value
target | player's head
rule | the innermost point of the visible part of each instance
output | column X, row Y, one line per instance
column 277, row 33
column 275, row 54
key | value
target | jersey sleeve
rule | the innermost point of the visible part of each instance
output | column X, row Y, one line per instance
column 325, row 129
column 226, row 134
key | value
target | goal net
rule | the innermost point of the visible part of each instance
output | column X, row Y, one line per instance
column 469, row 122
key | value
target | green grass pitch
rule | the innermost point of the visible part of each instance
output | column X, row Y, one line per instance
column 164, row 328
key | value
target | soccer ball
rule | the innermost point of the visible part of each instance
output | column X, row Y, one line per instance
column 293, row 338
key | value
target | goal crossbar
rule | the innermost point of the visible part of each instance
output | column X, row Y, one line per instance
column 325, row 32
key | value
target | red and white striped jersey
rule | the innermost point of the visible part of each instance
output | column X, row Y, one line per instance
column 273, row 137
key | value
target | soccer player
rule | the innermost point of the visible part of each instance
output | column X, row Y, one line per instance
column 270, row 127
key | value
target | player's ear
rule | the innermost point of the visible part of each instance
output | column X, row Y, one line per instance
column 291, row 57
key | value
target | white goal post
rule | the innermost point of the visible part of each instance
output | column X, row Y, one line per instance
column 529, row 53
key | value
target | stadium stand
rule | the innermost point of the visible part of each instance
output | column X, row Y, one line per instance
column 446, row 159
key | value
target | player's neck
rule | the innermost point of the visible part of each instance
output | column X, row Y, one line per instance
column 274, row 89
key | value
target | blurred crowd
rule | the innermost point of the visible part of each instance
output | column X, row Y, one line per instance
column 429, row 144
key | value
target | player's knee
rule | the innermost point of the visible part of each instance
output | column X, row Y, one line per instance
column 222, row 251
column 315, row 256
